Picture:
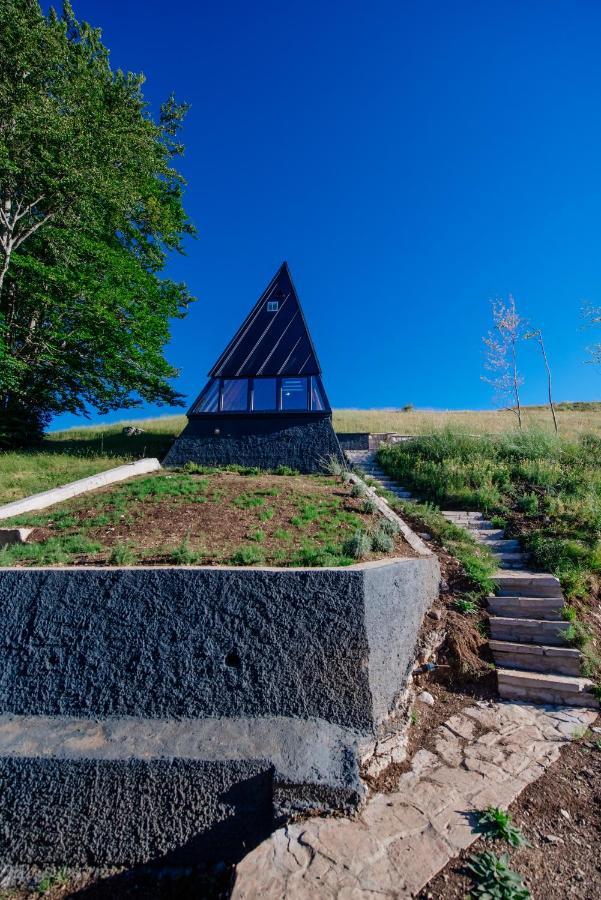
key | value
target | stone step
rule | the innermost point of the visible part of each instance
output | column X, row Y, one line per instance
column 540, row 687
column 454, row 513
column 510, row 557
column 509, row 545
column 528, row 584
column 526, row 607
column 528, row 631
column 536, row 657
column 495, row 534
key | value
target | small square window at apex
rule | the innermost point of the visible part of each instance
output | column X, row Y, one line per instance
column 272, row 305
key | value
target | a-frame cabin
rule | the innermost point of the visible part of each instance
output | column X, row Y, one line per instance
column 264, row 404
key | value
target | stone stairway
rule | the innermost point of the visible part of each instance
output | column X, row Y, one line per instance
column 534, row 661
column 528, row 635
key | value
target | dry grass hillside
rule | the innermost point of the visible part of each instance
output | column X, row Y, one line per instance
column 77, row 452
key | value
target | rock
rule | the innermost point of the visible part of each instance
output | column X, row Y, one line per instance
column 427, row 698
column 553, row 839
column 435, row 614
column 14, row 536
column 424, row 535
column 130, row 431
column 444, row 585
column 565, row 814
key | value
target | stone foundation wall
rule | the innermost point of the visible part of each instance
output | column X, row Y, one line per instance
column 304, row 447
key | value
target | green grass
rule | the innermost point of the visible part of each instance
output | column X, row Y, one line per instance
column 547, row 489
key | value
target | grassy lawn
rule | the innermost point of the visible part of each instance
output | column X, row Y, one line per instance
column 544, row 490
column 211, row 517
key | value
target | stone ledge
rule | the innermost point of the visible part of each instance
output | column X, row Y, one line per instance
column 82, row 486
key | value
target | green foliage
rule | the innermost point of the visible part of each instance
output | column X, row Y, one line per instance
column 381, row 542
column 184, row 555
column 92, row 206
column 122, row 555
column 53, row 551
column 497, row 824
column 247, row 556
column 285, row 470
column 493, row 878
column 545, row 489
column 257, row 535
column 358, row 546
column 51, row 880
column 358, row 490
column 466, row 606
column 389, row 526
column 369, row 507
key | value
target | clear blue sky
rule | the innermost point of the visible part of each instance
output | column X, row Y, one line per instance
column 411, row 161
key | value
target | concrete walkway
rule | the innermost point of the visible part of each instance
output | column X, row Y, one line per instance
column 484, row 756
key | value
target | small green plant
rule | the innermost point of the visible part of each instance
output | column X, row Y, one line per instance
column 52, row 880
column 529, row 504
column 381, row 542
column 569, row 613
column 466, row 606
column 266, row 514
column 578, row 634
column 494, row 879
column 247, row 556
column 184, row 555
column 285, row 470
column 596, row 692
column 414, row 717
column 389, row 526
column 496, row 823
column 358, row 490
column 358, row 546
column 257, row 535
column 332, row 465
column 122, row 555
column 369, row 506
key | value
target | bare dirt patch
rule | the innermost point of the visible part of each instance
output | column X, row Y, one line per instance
column 560, row 815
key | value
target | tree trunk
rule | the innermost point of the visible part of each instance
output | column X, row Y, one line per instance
column 548, row 368
column 516, row 385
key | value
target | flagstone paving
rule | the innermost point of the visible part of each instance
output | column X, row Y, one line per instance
column 485, row 755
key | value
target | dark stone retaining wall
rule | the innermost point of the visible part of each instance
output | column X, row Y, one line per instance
column 323, row 652
column 268, row 445
column 196, row 642
column 353, row 440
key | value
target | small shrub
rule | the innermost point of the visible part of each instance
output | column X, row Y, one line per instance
column 369, row 507
column 493, row 878
column 122, row 555
column 332, row 465
column 381, row 542
column 578, row 634
column 266, row 514
column 497, row 824
column 247, row 556
column 466, row 606
column 389, row 526
column 285, row 470
column 568, row 613
column 184, row 555
column 258, row 536
column 529, row 504
column 358, row 546
column 358, row 490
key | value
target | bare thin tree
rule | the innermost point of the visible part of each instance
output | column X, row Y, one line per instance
column 592, row 315
column 501, row 354
column 537, row 335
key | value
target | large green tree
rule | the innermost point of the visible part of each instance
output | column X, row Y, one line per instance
column 90, row 206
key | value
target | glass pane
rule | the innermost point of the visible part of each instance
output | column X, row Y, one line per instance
column 294, row 393
column 234, row 394
column 264, row 394
column 210, row 399
column 317, row 401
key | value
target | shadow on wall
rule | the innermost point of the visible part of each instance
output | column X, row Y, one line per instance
column 203, row 865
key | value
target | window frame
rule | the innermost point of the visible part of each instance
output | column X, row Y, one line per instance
column 310, row 380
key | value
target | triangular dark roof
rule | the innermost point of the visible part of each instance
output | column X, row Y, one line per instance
column 271, row 343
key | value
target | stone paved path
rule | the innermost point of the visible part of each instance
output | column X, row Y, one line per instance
column 484, row 756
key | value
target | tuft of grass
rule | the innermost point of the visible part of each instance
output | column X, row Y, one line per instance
column 494, row 879
column 496, row 824
column 52, row 880
column 369, row 507
column 122, row 555
column 257, row 535
column 184, row 555
column 358, row 490
column 247, row 556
